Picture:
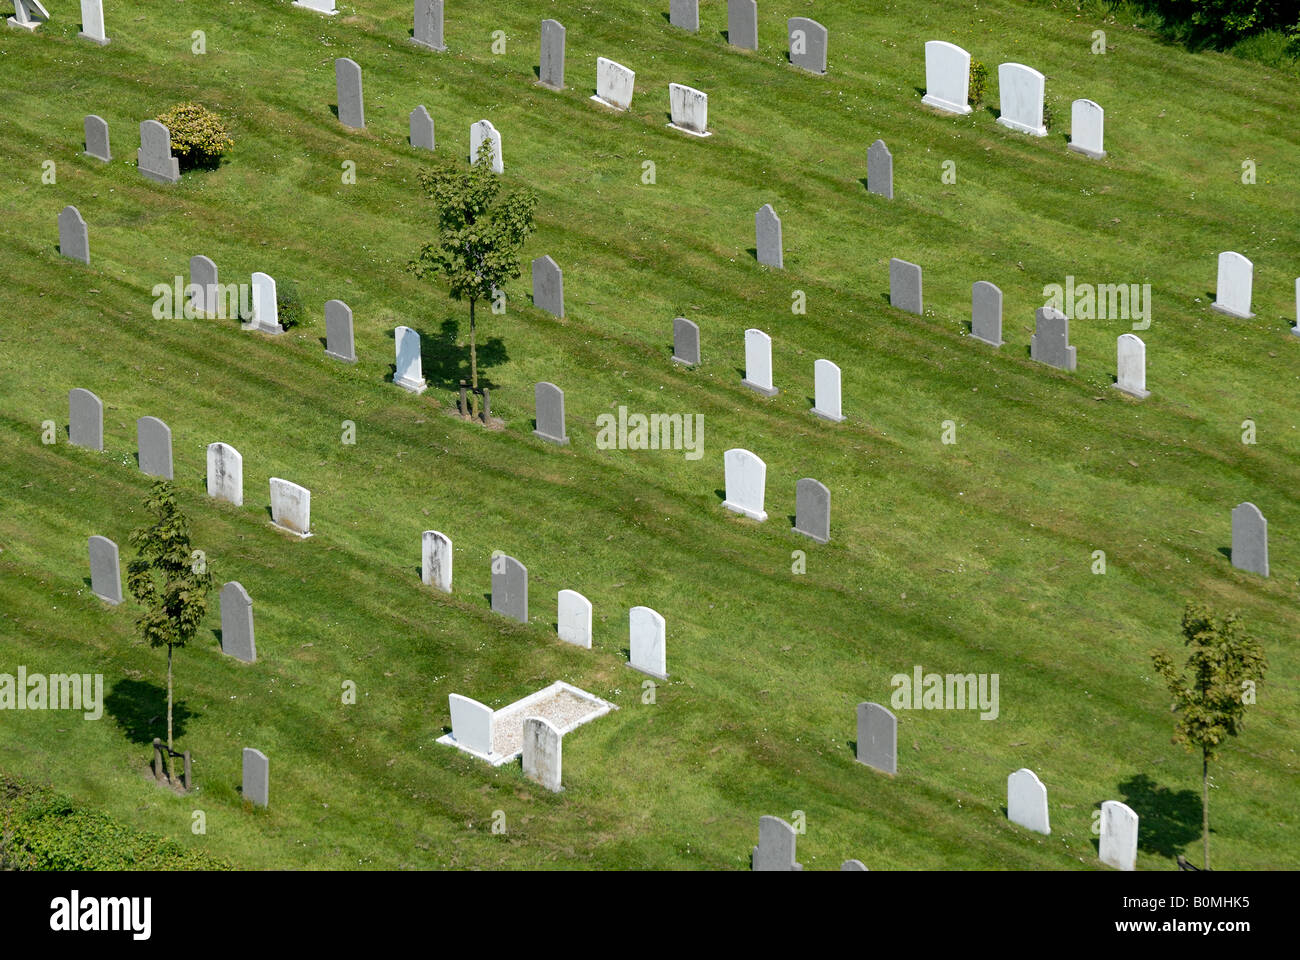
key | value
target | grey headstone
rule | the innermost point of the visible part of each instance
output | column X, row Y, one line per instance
column 96, row 129
column 775, row 850
column 237, row 623
column 428, row 25
column 767, row 237
column 986, row 313
column 257, row 775
column 338, row 331
column 542, row 753
column 105, row 572
column 877, row 737
column 203, row 277
column 154, row 158
column 85, row 420
column 548, row 286
column 74, row 238
column 1050, row 343
column 812, row 510
column 853, row 865
column 347, row 86
column 905, row 286
column 686, row 341
column 154, row 445
column 685, row 14
column 509, row 588
column 1249, row 539
column 742, row 23
column 421, row 129
column 808, row 41
column 880, row 170
column 551, row 64
column 549, row 400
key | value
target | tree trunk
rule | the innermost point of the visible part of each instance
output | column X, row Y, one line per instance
column 473, row 360
column 1205, row 808
column 169, row 713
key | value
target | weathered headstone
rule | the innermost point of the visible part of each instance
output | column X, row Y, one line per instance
column 291, row 507
column 105, row 571
column 338, row 331
column 471, row 724
column 880, row 170
column 550, row 70
column 257, row 773
column 266, row 311
column 689, row 109
column 947, row 77
column 509, row 588
column 1119, row 836
column 1087, row 129
column 808, row 42
column 986, row 313
column 775, row 850
column 905, row 286
column 1050, row 343
column 92, row 22
column 767, row 237
column 421, row 129
column 435, row 560
column 347, row 88
column 237, row 623
column 742, row 24
column 1249, row 539
column 854, row 865
column 826, row 391
column 428, row 25
column 614, row 84
column 548, row 400
column 746, row 483
column 686, row 341
column 812, row 510
column 409, row 372
column 877, row 737
column 483, row 132
column 647, row 650
column 1296, row 329
column 318, row 6
column 684, row 14
column 96, row 131
column 1232, row 292
column 1021, row 90
column 548, row 286
column 85, row 419
column 758, row 363
column 203, row 286
column 573, row 618
column 29, row 14
column 541, row 753
column 154, row 447
column 154, row 158
column 74, row 238
column 1131, row 366
column 1027, row 801
column 225, row 473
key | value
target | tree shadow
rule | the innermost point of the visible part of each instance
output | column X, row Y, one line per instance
column 140, row 709
column 445, row 362
column 1169, row 819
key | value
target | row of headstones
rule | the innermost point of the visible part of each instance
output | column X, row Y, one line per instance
column 154, row 158
column 1234, row 286
column 746, row 489
column 30, row 14
column 807, row 38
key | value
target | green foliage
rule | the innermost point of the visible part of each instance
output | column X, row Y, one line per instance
column 288, row 305
column 1049, row 114
column 1217, row 24
column 199, row 137
column 165, row 578
column 979, row 81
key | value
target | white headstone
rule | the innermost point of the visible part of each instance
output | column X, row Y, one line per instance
column 1087, row 128
column 947, row 77
column 471, row 724
column 826, row 391
column 614, row 84
column 1232, row 292
column 758, row 362
column 689, row 109
column 1027, row 801
column 478, row 134
column 291, row 507
column 1131, row 362
column 435, row 560
column 409, row 373
column 1119, row 836
column 225, row 473
column 746, row 482
column 266, row 315
column 573, row 621
column 92, row 21
column 319, row 6
column 1021, row 90
column 646, row 642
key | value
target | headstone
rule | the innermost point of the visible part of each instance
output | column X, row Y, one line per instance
column 1119, row 836
column 319, row 6
column 1131, row 364
column 686, row 341
column 1087, row 128
column 347, row 87
column 421, row 126
column 1050, row 343
column 684, row 14
column 614, row 84
column 29, row 14
column 203, row 286
column 826, row 391
column 947, row 77
column 409, row 372
column 154, row 445
column 266, row 312
column 986, row 313
column 742, row 24
column 1296, row 329
column 689, row 109
column 1249, row 539
column 746, row 483
column 96, row 130
column 812, row 510
column 471, row 724
column 1232, row 292
column 905, row 286
column 880, row 170
column 853, row 865
column 154, row 158
column 548, row 286
column 85, row 420
column 758, row 363
column 92, row 21
column 877, row 737
column 338, row 331
column 105, row 571
column 435, row 560
column 1027, row 801
column 428, row 25
column 775, row 850
column 225, row 473
column 481, row 132
column 257, row 774
column 573, row 619
column 237, row 623
column 74, row 238
column 807, row 44
column 1021, row 90
column 647, row 650
column 541, row 753
column 291, row 507
column 509, row 588
column 548, row 400
column 550, row 72
column 767, row 237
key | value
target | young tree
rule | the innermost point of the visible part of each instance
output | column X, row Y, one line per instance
column 168, row 580
column 479, row 235
column 1212, row 690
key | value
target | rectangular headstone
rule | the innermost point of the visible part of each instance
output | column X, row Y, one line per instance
column 947, row 77
column 1119, row 836
column 154, row 158
column 684, row 14
column 1249, row 539
column 550, row 70
column 614, row 84
column 1021, row 90
column 758, row 363
column 1131, row 365
column 96, row 130
column 686, row 342
column 775, row 851
column 105, row 570
column 880, row 170
column 1050, row 343
column 826, row 391
column 812, row 510
column 689, row 109
column 266, row 311
column 237, row 623
column 291, row 507
column 746, row 483
column 986, row 313
column 421, row 129
column 317, row 6
column 905, row 286
column 1087, row 129
column 338, row 331
column 204, row 295
column 573, row 618
column 767, row 237
column 154, row 447
column 742, row 24
column 548, row 286
column 428, row 25
column 435, row 560
column 808, row 42
column 877, row 737
column 647, row 642
column 74, row 238
column 409, row 372
column 225, row 473
column 347, row 87
column 541, row 753
column 85, row 420
column 549, row 408
column 1232, row 292
column 92, row 22
column 1027, row 801
column 257, row 776
column 509, row 588
column 481, row 133
column 471, row 724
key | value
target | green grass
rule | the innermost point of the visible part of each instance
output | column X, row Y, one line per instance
column 973, row 557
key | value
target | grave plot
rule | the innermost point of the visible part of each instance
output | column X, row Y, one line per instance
column 497, row 736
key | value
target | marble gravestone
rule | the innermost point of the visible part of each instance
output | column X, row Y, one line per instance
column 853, row 866
column 1131, row 366
column 1087, row 129
column 92, row 22
column 550, row 69
column 409, row 368
column 204, row 296
column 74, row 238
column 742, row 24
column 947, row 77
column 105, row 570
column 1021, row 90
column 318, row 6
column 291, row 507
column 1296, row 329
column 1249, row 539
column 338, row 331
column 548, row 286
column 686, row 342
column 746, row 483
column 421, row 129
column 880, row 170
column 808, row 42
column 812, row 510
column 548, row 400
column 758, row 363
column 95, row 128
column 573, row 618
column 427, row 32
column 986, row 313
column 154, row 447
column 541, row 753
column 826, row 391
column 877, row 745
column 154, row 158
column 1232, row 292
column 237, row 623
column 684, row 14
column 767, row 237
column 29, row 14
column 509, row 588
column 905, row 286
column 225, row 473
column 1027, row 801
column 435, row 560
column 1050, row 343
column 647, row 649
column 85, row 419
column 347, row 87
column 481, row 133
column 776, row 846
column 689, row 110
column 614, row 84
column 471, row 724
column 266, row 311
column 1119, row 836
column 257, row 774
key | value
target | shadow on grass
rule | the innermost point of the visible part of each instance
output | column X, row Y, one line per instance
column 140, row 709
column 1170, row 819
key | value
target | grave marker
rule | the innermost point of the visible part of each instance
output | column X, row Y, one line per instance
column 509, row 588
column 85, row 420
column 471, row 724
column 808, row 42
column 435, row 560
column 428, row 25
column 105, row 571
column 421, row 129
column 689, row 109
column 746, row 483
column 257, row 774
column 947, row 77
column 877, row 745
column 548, row 286
column 74, row 238
column 686, row 342
column 338, row 331
column 237, row 623
column 986, row 313
column 478, row 134
column 541, row 753
column 826, row 391
column 1249, row 539
column 1131, row 366
column 742, row 24
column 203, row 291
column 812, row 510
column 1050, row 343
column 92, row 22
column 29, row 14
column 153, row 440
column 684, row 14
column 647, row 642
column 853, row 865
column 573, row 618
column 775, row 850
column 548, row 405
column 318, row 6
column 154, row 158
column 758, row 363
column 550, row 73
column 409, row 372
column 266, row 312
column 880, row 170
column 1087, row 129
column 1027, row 801
column 347, row 88
column 767, row 237
column 1119, row 836
column 1232, row 292
column 614, row 84
column 905, row 286
column 1021, row 90
column 225, row 473
column 291, row 507
column 96, row 131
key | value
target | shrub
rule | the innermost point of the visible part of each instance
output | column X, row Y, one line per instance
column 979, row 80
column 199, row 137
column 1049, row 115
column 288, row 305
